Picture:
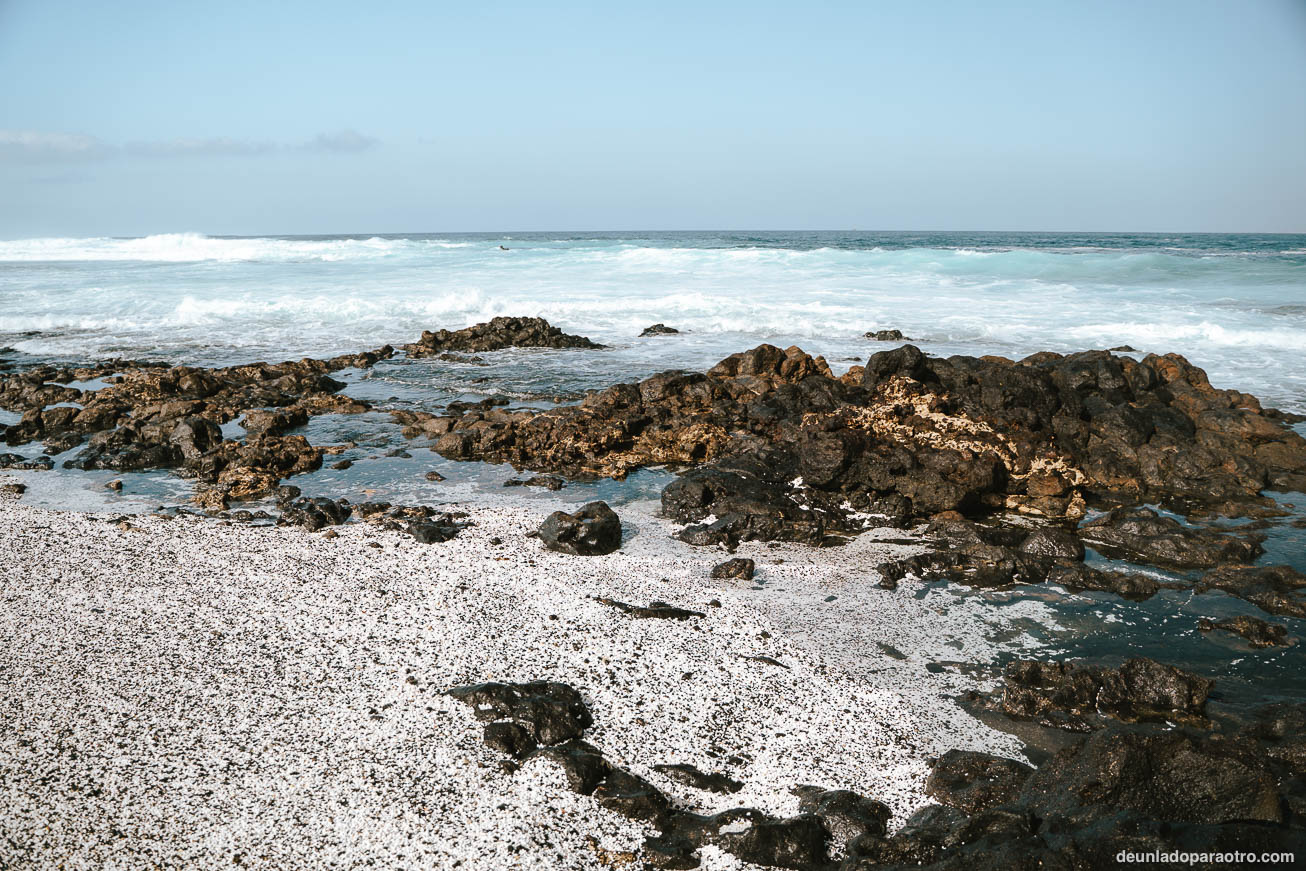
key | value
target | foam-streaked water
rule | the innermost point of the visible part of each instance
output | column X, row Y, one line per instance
column 1235, row 305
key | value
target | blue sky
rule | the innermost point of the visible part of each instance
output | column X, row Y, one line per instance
column 234, row 117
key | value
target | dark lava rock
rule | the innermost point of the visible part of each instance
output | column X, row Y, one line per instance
column 797, row 842
column 1142, row 535
column 593, row 530
column 981, row 555
column 1127, row 585
column 845, row 814
column 1065, row 695
column 553, row 715
column 1273, row 589
column 962, row 568
column 431, row 532
column 582, row 763
column 887, row 336
column 15, row 489
column 691, row 776
column 974, row 782
column 315, row 513
column 550, row 712
column 153, row 416
column 632, row 796
column 747, row 504
column 920, row 841
column 775, row 447
column 1137, row 788
column 659, row 330
column 1257, row 632
column 739, row 569
column 656, row 610
column 286, row 493
column 1166, row 776
column 15, row 461
column 497, row 334
column 509, row 738
column 548, row 482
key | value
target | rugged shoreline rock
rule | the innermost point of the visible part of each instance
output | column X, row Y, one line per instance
column 774, row 446
column 495, row 335
column 1120, row 788
column 1070, row 695
column 150, row 415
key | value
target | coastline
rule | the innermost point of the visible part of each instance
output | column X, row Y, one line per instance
column 182, row 691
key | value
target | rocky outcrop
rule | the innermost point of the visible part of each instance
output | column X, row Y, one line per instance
column 693, row 777
column 155, row 416
column 654, row 610
column 546, row 721
column 1072, row 696
column 16, row 461
column 1257, row 632
column 495, row 335
column 1273, row 589
column 1142, row 535
column 1121, row 788
column 592, row 531
column 315, row 513
column 973, row 782
column 659, row 330
column 886, row 336
column 775, row 446
column 150, row 416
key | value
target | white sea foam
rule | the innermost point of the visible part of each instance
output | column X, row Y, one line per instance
column 194, row 247
column 193, row 297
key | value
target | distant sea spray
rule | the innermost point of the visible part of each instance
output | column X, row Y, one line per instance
column 1234, row 304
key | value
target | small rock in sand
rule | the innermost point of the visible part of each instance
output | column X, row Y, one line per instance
column 592, row 531
column 739, row 568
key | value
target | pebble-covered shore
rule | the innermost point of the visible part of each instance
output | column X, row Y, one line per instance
column 191, row 693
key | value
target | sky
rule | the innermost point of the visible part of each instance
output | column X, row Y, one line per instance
column 132, row 118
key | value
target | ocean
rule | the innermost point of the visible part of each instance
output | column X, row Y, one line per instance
column 1233, row 304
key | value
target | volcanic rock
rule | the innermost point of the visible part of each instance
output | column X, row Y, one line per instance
column 739, row 569
column 1142, row 535
column 549, row 712
column 974, row 782
column 1258, row 632
column 1066, row 695
column 1273, row 589
column 315, row 513
column 593, row 530
column 497, row 334
column 692, row 776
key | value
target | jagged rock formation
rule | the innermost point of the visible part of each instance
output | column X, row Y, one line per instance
column 495, row 335
column 776, row 447
column 155, row 416
column 1119, row 789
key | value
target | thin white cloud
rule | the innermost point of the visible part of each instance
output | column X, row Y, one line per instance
column 221, row 146
column 344, row 141
column 34, row 146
